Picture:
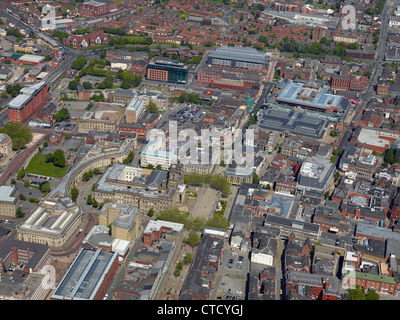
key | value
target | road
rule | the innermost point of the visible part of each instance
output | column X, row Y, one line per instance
column 381, row 48
column 69, row 54
column 18, row 162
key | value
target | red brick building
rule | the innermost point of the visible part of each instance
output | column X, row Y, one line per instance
column 29, row 101
column 96, row 8
column 155, row 230
column 94, row 38
column 383, row 87
column 81, row 93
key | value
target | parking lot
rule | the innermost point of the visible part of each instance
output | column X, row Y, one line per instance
column 191, row 114
column 232, row 276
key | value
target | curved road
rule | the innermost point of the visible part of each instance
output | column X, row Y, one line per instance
column 19, row 161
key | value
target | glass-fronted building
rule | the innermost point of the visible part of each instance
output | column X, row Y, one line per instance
column 167, row 70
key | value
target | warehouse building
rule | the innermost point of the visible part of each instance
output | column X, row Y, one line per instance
column 88, row 277
column 311, row 96
column 240, row 58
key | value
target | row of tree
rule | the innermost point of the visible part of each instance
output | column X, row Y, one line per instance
column 195, row 224
column 218, row 181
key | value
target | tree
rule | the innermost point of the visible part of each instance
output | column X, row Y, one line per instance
column 129, row 158
column 188, row 258
column 73, row 84
column 218, row 222
column 389, row 156
column 79, row 62
column 359, row 294
column 59, row 158
column 19, row 133
column 371, row 295
column 74, row 193
column 256, row 178
column 45, row 187
column 95, row 204
column 21, row 173
column 62, row 115
column 152, row 108
column 150, row 213
column 109, row 81
column 19, row 213
column 87, row 85
column 14, row 89
column 87, row 175
column 89, row 200
column 129, row 80
column 60, row 35
column 193, row 239
column 27, row 184
column 22, row 197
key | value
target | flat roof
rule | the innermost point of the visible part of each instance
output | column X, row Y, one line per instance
column 31, row 58
column 240, row 53
column 307, row 96
column 291, row 121
column 157, row 224
column 6, row 193
column 94, row 3
column 25, row 95
column 85, row 276
column 376, row 137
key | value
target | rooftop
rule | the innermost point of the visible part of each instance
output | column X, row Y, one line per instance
column 240, row 53
column 86, row 274
column 7, row 194
column 311, row 95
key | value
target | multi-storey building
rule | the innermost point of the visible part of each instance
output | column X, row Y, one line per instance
column 104, row 119
column 143, row 188
column 96, row 9
column 124, row 220
column 8, row 201
column 166, row 70
column 53, row 223
column 29, row 101
column 135, row 109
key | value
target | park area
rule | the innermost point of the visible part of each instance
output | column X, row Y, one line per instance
column 39, row 166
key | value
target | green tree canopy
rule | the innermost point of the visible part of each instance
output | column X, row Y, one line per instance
column 79, row 62
column 152, row 108
column 62, row 115
column 74, row 193
column 359, row 294
column 19, row 134
column 193, row 239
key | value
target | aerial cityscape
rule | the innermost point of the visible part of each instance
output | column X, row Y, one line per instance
column 224, row 150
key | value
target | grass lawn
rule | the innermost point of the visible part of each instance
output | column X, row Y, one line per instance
column 38, row 165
